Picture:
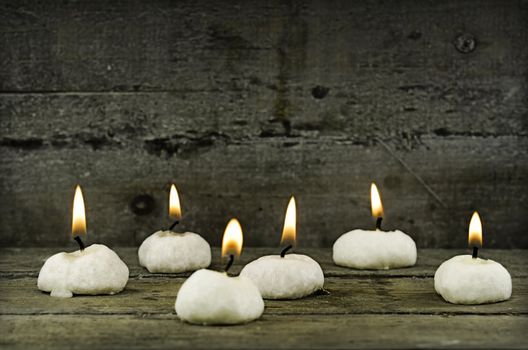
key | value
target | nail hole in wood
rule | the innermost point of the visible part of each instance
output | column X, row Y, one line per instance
column 465, row 43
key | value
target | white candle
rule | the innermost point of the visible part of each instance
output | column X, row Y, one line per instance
column 94, row 270
column 286, row 276
column 214, row 298
column 375, row 249
column 290, row 277
column 172, row 252
column 468, row 279
column 364, row 249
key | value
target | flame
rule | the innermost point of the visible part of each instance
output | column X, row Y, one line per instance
column 375, row 202
column 174, row 204
column 290, row 222
column 233, row 238
column 79, row 218
column 475, row 231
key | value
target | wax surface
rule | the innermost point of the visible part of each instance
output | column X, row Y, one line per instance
column 464, row 280
column 292, row 277
column 95, row 270
column 362, row 249
column 213, row 298
column 170, row 252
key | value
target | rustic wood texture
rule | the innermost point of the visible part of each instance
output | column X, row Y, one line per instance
column 363, row 309
column 277, row 332
column 26, row 262
column 243, row 103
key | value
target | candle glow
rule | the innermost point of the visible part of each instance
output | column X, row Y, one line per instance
column 375, row 249
column 375, row 202
column 289, row 230
column 174, row 204
column 466, row 279
column 475, row 231
column 79, row 217
column 233, row 239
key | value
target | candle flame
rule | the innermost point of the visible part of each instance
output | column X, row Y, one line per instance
column 289, row 230
column 233, row 239
column 375, row 202
column 79, row 217
column 174, row 204
column 475, row 231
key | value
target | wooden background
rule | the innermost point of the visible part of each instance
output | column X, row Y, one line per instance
column 243, row 103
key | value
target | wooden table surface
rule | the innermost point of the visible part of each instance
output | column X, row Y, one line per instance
column 364, row 309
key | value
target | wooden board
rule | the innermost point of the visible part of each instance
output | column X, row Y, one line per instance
column 252, row 180
column 362, row 309
column 26, row 262
column 286, row 47
column 277, row 332
column 244, row 103
column 354, row 295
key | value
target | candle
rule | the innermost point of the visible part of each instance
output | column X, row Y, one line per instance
column 367, row 249
column 286, row 276
column 468, row 279
column 214, row 298
column 168, row 251
column 93, row 270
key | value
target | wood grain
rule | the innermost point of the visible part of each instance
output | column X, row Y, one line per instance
column 363, row 309
column 206, row 45
column 252, row 180
column 355, row 295
column 244, row 103
column 26, row 262
column 281, row 332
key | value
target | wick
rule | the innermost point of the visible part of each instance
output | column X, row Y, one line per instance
column 283, row 252
column 378, row 223
column 475, row 252
column 230, row 262
column 80, row 242
column 174, row 224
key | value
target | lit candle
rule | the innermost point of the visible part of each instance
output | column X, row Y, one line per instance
column 286, row 276
column 171, row 252
column 468, row 279
column 367, row 249
column 213, row 298
column 95, row 269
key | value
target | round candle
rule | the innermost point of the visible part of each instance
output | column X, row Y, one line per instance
column 211, row 297
column 286, row 276
column 290, row 277
column 468, row 279
column 214, row 298
column 171, row 252
column 363, row 249
column 94, row 270
column 375, row 249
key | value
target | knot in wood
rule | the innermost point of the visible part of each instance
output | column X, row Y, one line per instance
column 319, row 91
column 142, row 204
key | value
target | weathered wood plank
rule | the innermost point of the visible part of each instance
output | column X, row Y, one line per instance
column 123, row 45
column 389, row 87
column 252, row 181
column 124, row 119
column 26, row 262
column 347, row 296
column 245, row 103
column 277, row 332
